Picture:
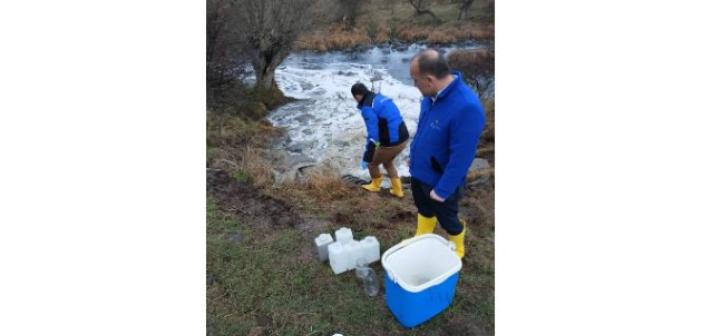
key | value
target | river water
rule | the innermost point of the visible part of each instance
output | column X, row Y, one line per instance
column 323, row 125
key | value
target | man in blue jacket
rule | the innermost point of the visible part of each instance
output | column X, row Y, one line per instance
column 451, row 119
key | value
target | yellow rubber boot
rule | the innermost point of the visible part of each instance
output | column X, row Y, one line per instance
column 425, row 225
column 374, row 186
column 397, row 187
column 459, row 240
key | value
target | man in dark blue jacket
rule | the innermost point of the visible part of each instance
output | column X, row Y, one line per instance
column 451, row 119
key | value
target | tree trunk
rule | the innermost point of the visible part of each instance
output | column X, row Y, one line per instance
column 463, row 13
column 265, row 65
column 421, row 12
column 267, row 79
column 266, row 87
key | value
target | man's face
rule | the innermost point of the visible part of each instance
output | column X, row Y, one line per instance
column 425, row 83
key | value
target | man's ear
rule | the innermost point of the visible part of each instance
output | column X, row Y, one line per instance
column 430, row 79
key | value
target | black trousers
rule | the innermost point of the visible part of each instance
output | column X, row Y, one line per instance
column 446, row 212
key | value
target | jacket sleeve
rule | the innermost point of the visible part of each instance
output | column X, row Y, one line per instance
column 371, row 123
column 370, row 152
column 372, row 132
column 464, row 134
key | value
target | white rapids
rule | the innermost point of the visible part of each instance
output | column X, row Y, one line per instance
column 324, row 125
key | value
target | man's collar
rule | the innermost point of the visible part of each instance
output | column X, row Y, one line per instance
column 440, row 92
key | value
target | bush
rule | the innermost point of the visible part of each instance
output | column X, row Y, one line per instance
column 473, row 63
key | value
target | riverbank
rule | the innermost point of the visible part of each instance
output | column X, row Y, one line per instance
column 397, row 22
column 338, row 37
column 262, row 275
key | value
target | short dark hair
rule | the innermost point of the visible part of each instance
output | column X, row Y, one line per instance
column 432, row 62
column 359, row 89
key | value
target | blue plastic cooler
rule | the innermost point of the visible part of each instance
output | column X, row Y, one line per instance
column 421, row 274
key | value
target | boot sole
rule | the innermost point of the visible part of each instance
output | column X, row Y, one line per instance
column 398, row 196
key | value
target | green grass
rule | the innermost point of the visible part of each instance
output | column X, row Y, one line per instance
column 263, row 281
column 268, row 282
column 242, row 176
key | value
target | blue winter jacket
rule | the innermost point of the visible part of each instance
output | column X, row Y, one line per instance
column 384, row 123
column 447, row 137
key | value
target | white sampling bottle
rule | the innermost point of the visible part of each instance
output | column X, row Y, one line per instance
column 367, row 276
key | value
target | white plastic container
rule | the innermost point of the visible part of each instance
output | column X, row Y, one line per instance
column 343, row 235
column 322, row 243
column 354, row 250
column 346, row 252
column 371, row 249
column 337, row 261
column 342, row 257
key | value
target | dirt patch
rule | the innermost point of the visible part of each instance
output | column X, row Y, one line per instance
column 463, row 327
column 261, row 211
column 403, row 216
column 478, row 204
column 247, row 201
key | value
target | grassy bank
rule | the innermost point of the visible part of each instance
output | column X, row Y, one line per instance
column 380, row 22
column 268, row 282
column 263, row 277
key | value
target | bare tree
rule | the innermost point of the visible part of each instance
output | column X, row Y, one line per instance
column 268, row 29
column 465, row 6
column 349, row 10
column 224, row 66
column 422, row 7
column 392, row 4
column 475, row 65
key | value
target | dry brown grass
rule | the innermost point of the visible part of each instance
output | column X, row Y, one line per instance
column 442, row 37
column 224, row 130
column 473, row 63
column 489, row 131
column 480, row 56
column 378, row 23
column 480, row 31
column 383, row 35
column 243, row 164
column 236, row 145
column 323, row 194
column 326, row 196
column 479, row 206
column 336, row 37
column 413, row 33
column 320, row 184
column 333, row 38
column 451, row 33
column 481, row 173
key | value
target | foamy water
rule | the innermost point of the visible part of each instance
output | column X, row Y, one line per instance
column 325, row 124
